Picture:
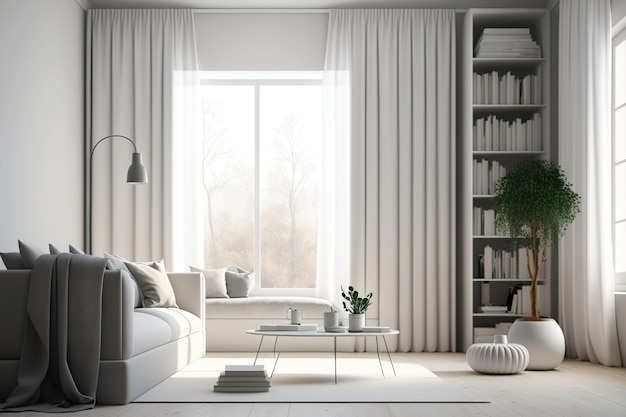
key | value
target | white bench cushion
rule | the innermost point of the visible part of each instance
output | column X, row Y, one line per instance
column 265, row 307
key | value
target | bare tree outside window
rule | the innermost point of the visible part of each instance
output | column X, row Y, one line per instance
column 228, row 176
column 261, row 150
column 291, row 238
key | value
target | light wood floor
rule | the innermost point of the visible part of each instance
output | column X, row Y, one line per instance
column 573, row 389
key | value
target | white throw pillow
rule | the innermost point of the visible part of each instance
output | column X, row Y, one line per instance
column 154, row 283
column 215, row 281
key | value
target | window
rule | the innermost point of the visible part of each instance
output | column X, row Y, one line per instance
column 619, row 161
column 261, row 160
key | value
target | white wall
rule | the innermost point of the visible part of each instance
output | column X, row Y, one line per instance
column 261, row 41
column 41, row 122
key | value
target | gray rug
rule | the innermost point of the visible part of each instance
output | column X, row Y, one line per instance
column 311, row 380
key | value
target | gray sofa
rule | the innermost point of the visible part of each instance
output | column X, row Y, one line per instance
column 140, row 347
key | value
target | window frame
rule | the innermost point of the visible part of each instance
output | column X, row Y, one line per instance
column 257, row 79
column 619, row 37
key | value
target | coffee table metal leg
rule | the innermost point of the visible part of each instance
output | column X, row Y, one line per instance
column 335, row 349
column 379, row 361
column 258, row 350
column 389, row 355
column 275, row 363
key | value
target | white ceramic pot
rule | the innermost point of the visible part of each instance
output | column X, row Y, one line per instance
column 544, row 340
column 356, row 322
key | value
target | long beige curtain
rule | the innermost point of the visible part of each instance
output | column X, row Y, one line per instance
column 140, row 71
column 586, row 277
column 390, row 74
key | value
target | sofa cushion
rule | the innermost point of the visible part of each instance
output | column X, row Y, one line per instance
column 154, row 327
column 274, row 308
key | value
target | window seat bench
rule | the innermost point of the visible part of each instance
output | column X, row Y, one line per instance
column 227, row 320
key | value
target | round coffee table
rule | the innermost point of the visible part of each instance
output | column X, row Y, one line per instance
column 323, row 333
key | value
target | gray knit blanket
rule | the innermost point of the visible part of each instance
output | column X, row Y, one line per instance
column 60, row 356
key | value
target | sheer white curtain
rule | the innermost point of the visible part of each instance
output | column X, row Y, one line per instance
column 390, row 211
column 140, row 67
column 586, row 280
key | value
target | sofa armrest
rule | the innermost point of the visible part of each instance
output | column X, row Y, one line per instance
column 14, row 284
column 118, row 299
column 190, row 292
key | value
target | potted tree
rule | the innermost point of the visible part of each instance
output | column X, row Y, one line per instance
column 535, row 202
column 356, row 306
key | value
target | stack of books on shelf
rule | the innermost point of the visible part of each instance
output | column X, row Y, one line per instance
column 507, row 43
column 504, row 263
column 486, row 334
column 518, row 301
column 486, row 173
column 243, row 378
column 493, row 88
column 484, row 223
column 493, row 134
column 289, row 327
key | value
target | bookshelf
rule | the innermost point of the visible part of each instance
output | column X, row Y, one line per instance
column 505, row 118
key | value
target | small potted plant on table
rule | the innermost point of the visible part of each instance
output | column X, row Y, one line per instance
column 535, row 202
column 356, row 306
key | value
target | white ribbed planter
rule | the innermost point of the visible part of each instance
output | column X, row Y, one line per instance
column 356, row 322
column 544, row 340
column 498, row 357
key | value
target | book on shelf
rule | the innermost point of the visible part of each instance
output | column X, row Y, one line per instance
column 289, row 327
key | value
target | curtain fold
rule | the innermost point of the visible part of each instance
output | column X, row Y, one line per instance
column 390, row 94
column 140, row 67
column 586, row 277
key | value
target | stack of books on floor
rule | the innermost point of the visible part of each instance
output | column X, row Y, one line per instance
column 507, row 43
column 243, row 378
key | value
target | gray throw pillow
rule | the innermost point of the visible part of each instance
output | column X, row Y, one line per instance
column 215, row 282
column 239, row 283
column 154, row 283
column 76, row 251
column 30, row 254
column 53, row 249
column 12, row 260
column 116, row 263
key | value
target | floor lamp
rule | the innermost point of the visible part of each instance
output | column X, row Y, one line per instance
column 137, row 174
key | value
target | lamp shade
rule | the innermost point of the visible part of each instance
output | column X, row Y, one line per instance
column 137, row 173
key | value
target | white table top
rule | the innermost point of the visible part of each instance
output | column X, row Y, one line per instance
column 319, row 333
